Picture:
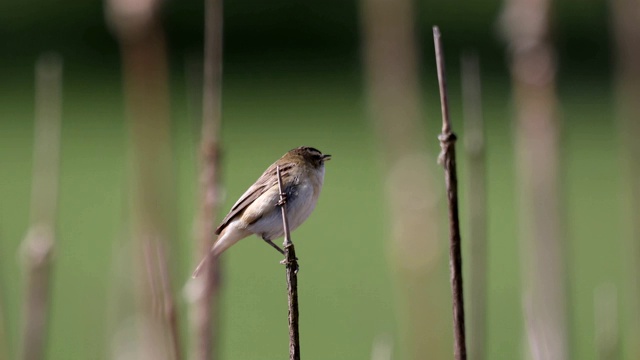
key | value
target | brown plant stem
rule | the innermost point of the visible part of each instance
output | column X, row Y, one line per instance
column 38, row 249
column 139, row 31
column 477, row 194
column 526, row 28
column 448, row 159
column 391, row 61
column 39, row 243
column 206, row 292
column 291, row 263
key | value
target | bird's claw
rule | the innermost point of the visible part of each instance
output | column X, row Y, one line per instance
column 297, row 266
column 282, row 200
column 285, row 262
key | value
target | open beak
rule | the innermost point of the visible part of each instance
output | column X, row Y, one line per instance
column 326, row 157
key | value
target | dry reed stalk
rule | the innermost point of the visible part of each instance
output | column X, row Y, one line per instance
column 390, row 56
column 291, row 263
column 533, row 68
column 139, row 32
column 39, row 244
column 447, row 158
column 204, row 293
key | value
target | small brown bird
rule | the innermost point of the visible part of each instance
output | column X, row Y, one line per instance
column 257, row 211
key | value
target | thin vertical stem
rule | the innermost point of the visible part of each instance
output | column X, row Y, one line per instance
column 291, row 263
column 139, row 31
column 448, row 159
column 39, row 244
column 390, row 55
column 205, row 302
column 526, row 27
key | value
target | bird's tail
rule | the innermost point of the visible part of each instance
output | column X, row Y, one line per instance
column 196, row 272
column 229, row 236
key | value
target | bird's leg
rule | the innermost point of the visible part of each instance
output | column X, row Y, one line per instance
column 279, row 250
column 274, row 245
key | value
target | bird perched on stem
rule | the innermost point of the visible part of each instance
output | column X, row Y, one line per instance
column 257, row 212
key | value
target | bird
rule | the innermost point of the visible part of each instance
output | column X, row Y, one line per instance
column 257, row 211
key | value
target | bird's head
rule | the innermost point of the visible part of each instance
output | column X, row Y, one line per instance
column 307, row 155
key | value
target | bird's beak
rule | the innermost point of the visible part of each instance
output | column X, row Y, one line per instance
column 326, row 157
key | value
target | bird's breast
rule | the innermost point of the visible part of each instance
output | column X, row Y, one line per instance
column 302, row 196
column 301, row 200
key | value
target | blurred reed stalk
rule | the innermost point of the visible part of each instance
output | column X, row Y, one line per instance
column 390, row 56
column 626, row 31
column 474, row 141
column 525, row 25
column 39, row 244
column 204, row 291
column 605, row 306
column 291, row 263
column 447, row 158
column 139, row 32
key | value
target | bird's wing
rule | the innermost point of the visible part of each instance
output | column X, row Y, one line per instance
column 267, row 180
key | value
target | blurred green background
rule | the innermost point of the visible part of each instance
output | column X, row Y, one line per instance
column 293, row 76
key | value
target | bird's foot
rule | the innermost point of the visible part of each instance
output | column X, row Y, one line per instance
column 285, row 262
column 282, row 200
column 296, row 264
